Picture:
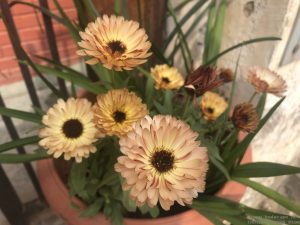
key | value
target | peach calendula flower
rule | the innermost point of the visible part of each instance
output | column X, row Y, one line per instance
column 163, row 162
column 203, row 79
column 212, row 105
column 244, row 117
column 166, row 77
column 115, row 42
column 267, row 81
column 69, row 129
column 117, row 110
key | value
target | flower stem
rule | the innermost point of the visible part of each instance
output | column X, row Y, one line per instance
column 252, row 97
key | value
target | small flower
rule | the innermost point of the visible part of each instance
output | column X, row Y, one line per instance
column 226, row 75
column 202, row 80
column 163, row 162
column 166, row 77
column 212, row 105
column 115, row 42
column 244, row 117
column 267, row 81
column 117, row 110
column 69, row 130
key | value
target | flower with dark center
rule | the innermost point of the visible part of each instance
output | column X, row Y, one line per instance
column 117, row 43
column 202, row 80
column 166, row 77
column 163, row 162
column 117, row 110
column 212, row 105
column 244, row 117
column 68, row 132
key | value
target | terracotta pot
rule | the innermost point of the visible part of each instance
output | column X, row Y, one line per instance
column 57, row 196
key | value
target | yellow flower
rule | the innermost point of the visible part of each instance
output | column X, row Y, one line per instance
column 212, row 105
column 115, row 42
column 166, row 77
column 117, row 110
column 163, row 162
column 244, row 117
column 69, row 129
column 267, row 81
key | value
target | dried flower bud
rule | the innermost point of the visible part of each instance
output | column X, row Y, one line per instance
column 226, row 75
column 202, row 80
column 244, row 117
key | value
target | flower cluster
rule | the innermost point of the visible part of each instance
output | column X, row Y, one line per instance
column 163, row 159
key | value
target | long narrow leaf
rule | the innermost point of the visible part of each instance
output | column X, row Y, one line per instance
column 22, row 158
column 17, row 143
column 20, row 114
column 256, row 40
column 264, row 169
column 279, row 198
column 77, row 80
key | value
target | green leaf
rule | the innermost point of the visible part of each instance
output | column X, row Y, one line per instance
column 77, row 178
column 251, row 41
column 32, row 117
column 128, row 203
column 22, row 158
column 239, row 151
column 168, row 96
column 279, row 198
column 264, row 169
column 160, row 108
column 17, row 143
column 149, row 92
column 93, row 209
column 184, row 19
column 74, row 78
column 261, row 105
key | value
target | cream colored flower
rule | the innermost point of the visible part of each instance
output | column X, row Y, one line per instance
column 212, row 105
column 115, row 42
column 166, row 77
column 163, row 162
column 69, row 129
column 267, row 81
column 117, row 110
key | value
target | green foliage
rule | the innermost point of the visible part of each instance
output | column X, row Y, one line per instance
column 17, row 143
column 10, row 158
column 27, row 116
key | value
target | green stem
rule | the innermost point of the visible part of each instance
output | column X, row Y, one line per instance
column 252, row 97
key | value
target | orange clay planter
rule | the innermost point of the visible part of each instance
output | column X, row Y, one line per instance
column 57, row 196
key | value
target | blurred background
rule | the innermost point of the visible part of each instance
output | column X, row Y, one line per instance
column 279, row 141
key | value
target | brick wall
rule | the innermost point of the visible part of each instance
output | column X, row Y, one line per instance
column 29, row 24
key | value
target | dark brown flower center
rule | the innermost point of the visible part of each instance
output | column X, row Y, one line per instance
column 117, row 47
column 210, row 110
column 245, row 118
column 119, row 116
column 72, row 128
column 163, row 161
column 166, row 80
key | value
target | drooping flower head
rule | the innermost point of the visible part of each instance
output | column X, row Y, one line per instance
column 166, row 77
column 202, row 80
column 226, row 75
column 266, row 81
column 163, row 162
column 244, row 117
column 69, row 129
column 117, row 110
column 212, row 105
column 115, row 42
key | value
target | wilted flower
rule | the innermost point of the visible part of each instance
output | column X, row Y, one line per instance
column 166, row 77
column 267, row 81
column 163, row 162
column 117, row 110
column 115, row 42
column 244, row 117
column 226, row 75
column 69, row 130
column 202, row 80
column 212, row 105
